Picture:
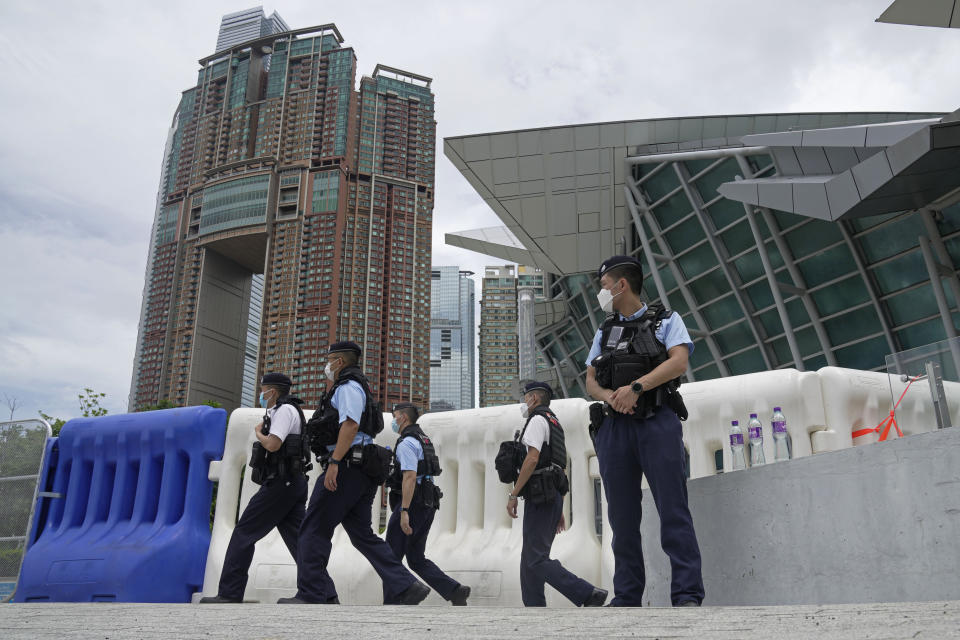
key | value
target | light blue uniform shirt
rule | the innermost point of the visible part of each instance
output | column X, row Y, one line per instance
column 671, row 332
column 409, row 453
column 349, row 400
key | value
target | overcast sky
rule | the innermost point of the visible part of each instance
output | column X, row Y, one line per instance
column 89, row 89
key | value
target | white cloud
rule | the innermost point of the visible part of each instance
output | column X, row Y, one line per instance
column 89, row 90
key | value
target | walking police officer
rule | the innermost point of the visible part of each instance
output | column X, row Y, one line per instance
column 414, row 499
column 344, row 493
column 634, row 366
column 278, row 466
column 542, row 483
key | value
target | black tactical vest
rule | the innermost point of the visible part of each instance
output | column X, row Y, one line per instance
column 555, row 450
column 323, row 428
column 290, row 459
column 428, row 466
column 629, row 349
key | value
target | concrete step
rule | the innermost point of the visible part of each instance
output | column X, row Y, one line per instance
column 107, row 621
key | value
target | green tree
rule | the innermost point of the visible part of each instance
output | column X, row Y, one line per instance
column 55, row 423
column 90, row 406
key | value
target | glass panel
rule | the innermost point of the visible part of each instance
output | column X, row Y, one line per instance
column 671, row 211
column 863, row 355
column 709, row 287
column 861, row 224
column 781, row 351
column 814, row 363
column 922, row 334
column 666, row 274
column 900, row 273
column 696, row 166
column 785, row 219
column 708, row 373
column 826, row 266
column 721, row 312
column 697, row 261
column 951, row 219
column 760, row 295
column 770, row 320
column 677, row 303
column 733, row 338
column 807, row 341
column 685, row 235
column 726, row 171
column 747, row 362
column 749, row 266
column 850, row 326
column 796, row 312
column 725, row 212
column 812, row 237
column 738, row 238
column 890, row 239
column 701, row 354
column 661, row 184
column 840, row 295
column 912, row 305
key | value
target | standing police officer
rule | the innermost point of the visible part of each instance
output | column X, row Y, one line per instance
column 278, row 467
column 414, row 500
column 643, row 352
column 344, row 493
column 542, row 488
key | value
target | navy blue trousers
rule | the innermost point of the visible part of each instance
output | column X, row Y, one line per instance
column 628, row 448
column 536, row 568
column 280, row 504
column 413, row 547
column 350, row 505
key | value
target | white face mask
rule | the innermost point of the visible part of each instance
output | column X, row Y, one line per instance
column 328, row 371
column 395, row 426
column 524, row 410
column 605, row 298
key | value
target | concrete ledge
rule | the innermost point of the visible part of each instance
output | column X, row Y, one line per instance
column 876, row 523
column 188, row 622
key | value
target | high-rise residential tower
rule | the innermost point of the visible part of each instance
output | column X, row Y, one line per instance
column 293, row 211
column 452, row 339
column 498, row 336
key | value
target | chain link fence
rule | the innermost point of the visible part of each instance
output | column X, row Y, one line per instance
column 22, row 444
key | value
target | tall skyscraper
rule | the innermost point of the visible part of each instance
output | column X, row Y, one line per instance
column 452, row 341
column 293, row 211
column 498, row 336
column 239, row 27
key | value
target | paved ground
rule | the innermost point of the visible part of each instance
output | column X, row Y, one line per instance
column 188, row 622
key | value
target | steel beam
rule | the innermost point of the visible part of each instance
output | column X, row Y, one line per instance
column 640, row 203
column 696, row 201
column 871, row 290
column 705, row 154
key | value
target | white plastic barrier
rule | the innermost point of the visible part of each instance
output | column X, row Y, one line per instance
column 713, row 404
column 472, row 538
column 475, row 541
column 854, row 400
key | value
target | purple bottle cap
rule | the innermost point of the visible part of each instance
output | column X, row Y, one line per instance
column 776, row 409
column 753, row 415
column 735, row 422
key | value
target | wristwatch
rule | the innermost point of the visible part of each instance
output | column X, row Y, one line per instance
column 637, row 387
column 333, row 460
column 510, row 496
column 404, row 509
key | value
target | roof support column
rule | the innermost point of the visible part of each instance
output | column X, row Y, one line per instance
column 647, row 250
column 862, row 270
column 775, row 289
column 639, row 203
column 945, row 316
column 696, row 201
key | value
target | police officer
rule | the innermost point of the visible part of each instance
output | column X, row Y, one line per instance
column 344, row 493
column 280, row 501
column 539, row 484
column 645, row 351
column 415, row 499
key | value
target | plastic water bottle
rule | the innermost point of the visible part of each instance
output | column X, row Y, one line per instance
column 779, row 423
column 736, row 446
column 755, row 430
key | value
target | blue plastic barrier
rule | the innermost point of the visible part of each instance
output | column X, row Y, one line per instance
column 131, row 520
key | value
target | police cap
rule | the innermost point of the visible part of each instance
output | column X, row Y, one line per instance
column 276, row 378
column 406, row 406
column 533, row 386
column 618, row 261
column 345, row 345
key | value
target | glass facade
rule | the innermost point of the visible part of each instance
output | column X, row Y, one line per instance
column 452, row 327
column 236, row 203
